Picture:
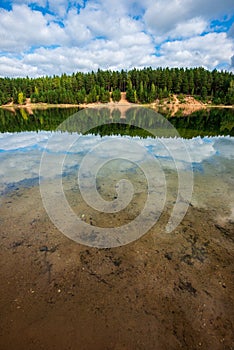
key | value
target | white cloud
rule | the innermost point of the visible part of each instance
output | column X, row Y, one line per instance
column 163, row 18
column 13, row 67
column 75, row 29
column 22, row 28
column 208, row 51
column 97, row 54
column 196, row 51
column 186, row 29
column 105, row 34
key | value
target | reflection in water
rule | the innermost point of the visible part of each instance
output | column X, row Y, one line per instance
column 23, row 120
column 211, row 157
column 211, row 122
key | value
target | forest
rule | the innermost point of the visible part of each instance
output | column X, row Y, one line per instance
column 141, row 86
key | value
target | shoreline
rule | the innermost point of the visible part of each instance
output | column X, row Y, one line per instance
column 173, row 105
column 97, row 104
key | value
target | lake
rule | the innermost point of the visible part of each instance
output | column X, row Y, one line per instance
column 155, row 195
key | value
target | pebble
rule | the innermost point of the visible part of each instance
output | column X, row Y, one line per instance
column 44, row 248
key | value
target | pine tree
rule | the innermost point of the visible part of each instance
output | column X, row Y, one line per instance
column 116, row 95
column 21, row 98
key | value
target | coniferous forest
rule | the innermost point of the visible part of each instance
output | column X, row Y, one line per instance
column 141, row 86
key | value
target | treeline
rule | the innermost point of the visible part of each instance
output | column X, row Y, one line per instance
column 141, row 86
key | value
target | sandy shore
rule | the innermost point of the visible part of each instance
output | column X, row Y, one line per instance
column 188, row 106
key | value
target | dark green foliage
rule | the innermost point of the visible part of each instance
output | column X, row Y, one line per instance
column 81, row 94
column 116, row 95
column 141, row 85
column 104, row 96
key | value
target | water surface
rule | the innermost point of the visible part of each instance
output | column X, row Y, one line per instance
column 166, row 290
column 208, row 136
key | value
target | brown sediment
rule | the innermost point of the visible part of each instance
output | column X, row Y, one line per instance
column 164, row 291
column 188, row 106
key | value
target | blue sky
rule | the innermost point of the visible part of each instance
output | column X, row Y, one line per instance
column 46, row 37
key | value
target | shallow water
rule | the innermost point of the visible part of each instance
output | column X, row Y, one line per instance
column 210, row 161
column 173, row 289
column 85, row 164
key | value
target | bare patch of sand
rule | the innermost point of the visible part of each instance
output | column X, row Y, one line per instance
column 186, row 105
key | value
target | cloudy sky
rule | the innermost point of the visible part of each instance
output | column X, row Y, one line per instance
column 46, row 37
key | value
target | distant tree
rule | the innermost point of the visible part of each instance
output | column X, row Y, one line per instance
column 185, row 85
column 116, row 95
column 104, row 96
column 81, row 96
column 21, row 98
column 230, row 94
column 131, row 95
column 140, row 92
column 152, row 94
column 204, row 93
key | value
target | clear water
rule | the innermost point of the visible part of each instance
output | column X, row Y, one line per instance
column 26, row 139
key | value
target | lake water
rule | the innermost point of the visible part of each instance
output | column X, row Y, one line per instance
column 189, row 157
column 157, row 195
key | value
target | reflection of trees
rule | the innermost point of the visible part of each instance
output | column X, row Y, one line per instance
column 116, row 114
column 206, row 122
column 133, row 121
column 20, row 120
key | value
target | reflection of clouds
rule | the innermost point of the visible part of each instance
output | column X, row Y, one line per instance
column 16, row 167
column 23, row 140
column 115, row 147
column 225, row 147
column 199, row 149
column 21, row 153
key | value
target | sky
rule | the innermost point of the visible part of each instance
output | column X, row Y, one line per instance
column 51, row 37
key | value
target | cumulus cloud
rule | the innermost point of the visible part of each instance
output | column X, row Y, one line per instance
column 210, row 50
column 76, row 35
column 23, row 28
column 186, row 29
column 13, row 67
column 162, row 18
